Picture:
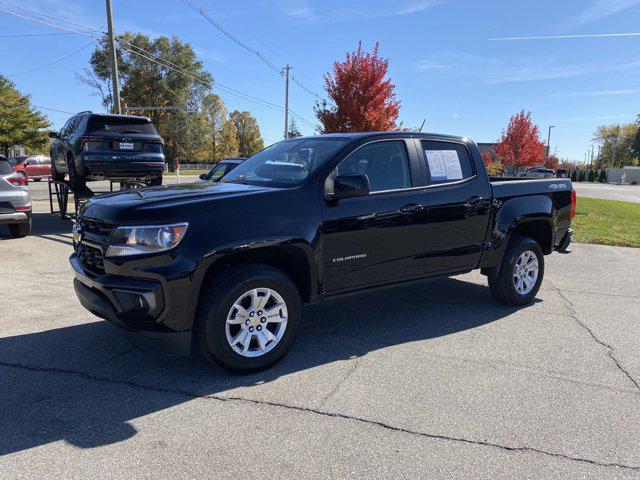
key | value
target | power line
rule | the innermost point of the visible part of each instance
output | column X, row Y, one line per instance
column 60, row 27
column 36, row 34
column 9, row 4
column 52, row 109
column 232, row 37
column 53, row 62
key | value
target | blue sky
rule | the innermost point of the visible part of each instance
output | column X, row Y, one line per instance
column 442, row 60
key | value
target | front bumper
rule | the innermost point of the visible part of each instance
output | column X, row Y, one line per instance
column 102, row 296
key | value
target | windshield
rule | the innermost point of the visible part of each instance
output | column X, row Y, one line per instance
column 285, row 163
column 5, row 168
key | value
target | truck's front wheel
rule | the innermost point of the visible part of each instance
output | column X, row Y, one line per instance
column 248, row 318
column 517, row 280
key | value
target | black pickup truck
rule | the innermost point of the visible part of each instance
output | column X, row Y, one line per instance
column 225, row 267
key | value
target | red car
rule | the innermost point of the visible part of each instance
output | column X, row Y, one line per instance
column 34, row 167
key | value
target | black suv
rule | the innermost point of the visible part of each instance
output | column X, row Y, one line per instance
column 94, row 146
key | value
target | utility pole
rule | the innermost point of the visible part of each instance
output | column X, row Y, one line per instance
column 286, row 102
column 549, row 140
column 114, row 61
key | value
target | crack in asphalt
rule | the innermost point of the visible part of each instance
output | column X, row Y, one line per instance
column 433, row 436
column 611, row 350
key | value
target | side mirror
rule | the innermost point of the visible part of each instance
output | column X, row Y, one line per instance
column 351, row 185
column 204, row 176
column 54, row 135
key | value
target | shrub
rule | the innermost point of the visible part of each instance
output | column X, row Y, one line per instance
column 581, row 176
column 495, row 169
column 574, row 176
column 592, row 176
column 602, row 177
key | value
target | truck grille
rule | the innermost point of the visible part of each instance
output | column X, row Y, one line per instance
column 91, row 259
column 95, row 239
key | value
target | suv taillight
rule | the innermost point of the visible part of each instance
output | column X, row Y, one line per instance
column 90, row 138
column 18, row 181
column 573, row 204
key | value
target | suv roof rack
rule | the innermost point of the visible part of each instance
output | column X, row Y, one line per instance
column 86, row 111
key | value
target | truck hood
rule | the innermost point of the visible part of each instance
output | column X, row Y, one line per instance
column 144, row 203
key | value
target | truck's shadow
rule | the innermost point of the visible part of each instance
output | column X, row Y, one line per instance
column 83, row 384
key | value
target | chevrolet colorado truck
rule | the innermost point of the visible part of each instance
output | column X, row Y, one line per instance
column 226, row 267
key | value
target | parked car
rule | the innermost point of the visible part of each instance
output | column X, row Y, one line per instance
column 229, row 265
column 221, row 168
column 94, row 146
column 35, row 167
column 15, row 201
column 540, row 172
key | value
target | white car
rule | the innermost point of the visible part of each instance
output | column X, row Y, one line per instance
column 15, row 201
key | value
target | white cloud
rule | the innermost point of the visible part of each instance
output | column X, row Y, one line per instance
column 494, row 70
column 599, row 9
column 455, row 116
column 600, row 93
column 359, row 10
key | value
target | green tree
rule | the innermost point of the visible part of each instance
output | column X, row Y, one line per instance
column 249, row 138
column 20, row 123
column 144, row 82
column 293, row 129
column 616, row 145
column 635, row 148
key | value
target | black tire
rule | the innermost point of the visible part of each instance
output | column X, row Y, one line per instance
column 55, row 176
column 217, row 300
column 20, row 230
column 75, row 179
column 154, row 182
column 501, row 279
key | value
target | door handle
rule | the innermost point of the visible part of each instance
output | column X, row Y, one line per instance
column 473, row 201
column 411, row 208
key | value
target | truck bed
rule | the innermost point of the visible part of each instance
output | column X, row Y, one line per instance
column 509, row 187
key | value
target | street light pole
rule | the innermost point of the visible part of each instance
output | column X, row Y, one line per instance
column 549, row 140
column 114, row 61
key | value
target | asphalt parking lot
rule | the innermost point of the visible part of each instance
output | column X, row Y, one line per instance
column 427, row 381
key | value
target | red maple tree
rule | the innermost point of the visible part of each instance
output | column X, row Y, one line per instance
column 486, row 158
column 552, row 162
column 520, row 145
column 361, row 99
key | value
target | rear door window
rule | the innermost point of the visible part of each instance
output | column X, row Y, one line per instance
column 447, row 162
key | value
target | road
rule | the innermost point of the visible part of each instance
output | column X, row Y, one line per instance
column 621, row 193
column 428, row 381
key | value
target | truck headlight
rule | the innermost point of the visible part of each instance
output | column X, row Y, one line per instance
column 145, row 239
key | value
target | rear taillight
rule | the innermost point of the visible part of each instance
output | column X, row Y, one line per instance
column 90, row 138
column 573, row 204
column 25, row 208
column 18, row 181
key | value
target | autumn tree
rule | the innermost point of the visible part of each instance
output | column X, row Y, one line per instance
column 20, row 123
column 486, row 158
column 228, row 146
column 551, row 162
column 248, row 132
column 361, row 99
column 520, row 145
column 216, row 116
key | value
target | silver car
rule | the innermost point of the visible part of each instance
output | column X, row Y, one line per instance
column 15, row 201
column 540, row 172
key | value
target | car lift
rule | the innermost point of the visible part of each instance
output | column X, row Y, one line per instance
column 60, row 190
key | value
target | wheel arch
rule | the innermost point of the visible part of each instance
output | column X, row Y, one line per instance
column 530, row 216
column 294, row 259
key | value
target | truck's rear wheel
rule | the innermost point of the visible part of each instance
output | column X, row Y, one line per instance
column 248, row 318
column 517, row 280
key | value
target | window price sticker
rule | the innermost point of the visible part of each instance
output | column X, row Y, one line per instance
column 444, row 164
